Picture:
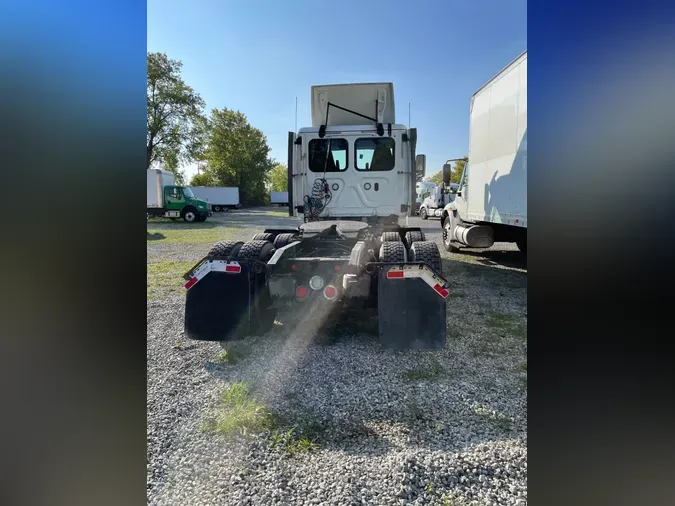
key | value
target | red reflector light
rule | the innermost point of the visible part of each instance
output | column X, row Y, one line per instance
column 337, row 267
column 190, row 283
column 394, row 274
column 442, row 291
column 330, row 292
column 293, row 267
column 232, row 268
column 301, row 292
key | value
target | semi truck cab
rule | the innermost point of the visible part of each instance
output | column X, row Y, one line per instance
column 177, row 198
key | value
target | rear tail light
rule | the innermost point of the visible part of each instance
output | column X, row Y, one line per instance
column 316, row 283
column 330, row 292
column 301, row 292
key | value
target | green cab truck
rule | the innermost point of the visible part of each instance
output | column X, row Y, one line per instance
column 167, row 200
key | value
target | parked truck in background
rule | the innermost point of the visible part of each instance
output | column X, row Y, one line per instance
column 352, row 177
column 279, row 198
column 435, row 199
column 491, row 202
column 221, row 198
column 168, row 200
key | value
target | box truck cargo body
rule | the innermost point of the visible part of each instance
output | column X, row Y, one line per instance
column 221, row 198
column 168, row 200
column 491, row 201
column 279, row 198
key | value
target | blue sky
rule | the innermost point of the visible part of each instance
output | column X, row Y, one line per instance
column 258, row 56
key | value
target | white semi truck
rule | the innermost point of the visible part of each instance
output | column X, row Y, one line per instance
column 221, row 198
column 491, row 201
column 352, row 177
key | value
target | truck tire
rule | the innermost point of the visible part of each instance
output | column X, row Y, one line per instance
column 393, row 252
column 263, row 236
column 447, row 236
column 413, row 236
column 423, row 213
column 390, row 237
column 283, row 240
column 216, row 209
column 256, row 250
column 261, row 251
column 189, row 214
column 427, row 252
column 226, row 249
column 522, row 244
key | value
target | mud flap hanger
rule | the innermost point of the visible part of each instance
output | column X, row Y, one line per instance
column 413, row 270
column 216, row 264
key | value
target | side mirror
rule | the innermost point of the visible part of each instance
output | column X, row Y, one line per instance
column 420, row 166
column 447, row 171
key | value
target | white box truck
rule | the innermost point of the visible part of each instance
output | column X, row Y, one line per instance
column 166, row 199
column 221, row 198
column 279, row 198
column 491, row 201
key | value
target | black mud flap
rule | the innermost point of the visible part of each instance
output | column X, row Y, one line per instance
column 218, row 307
column 411, row 315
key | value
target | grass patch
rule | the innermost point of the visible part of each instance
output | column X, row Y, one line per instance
column 425, row 373
column 446, row 500
column 495, row 417
column 523, row 366
column 165, row 277
column 507, row 324
column 190, row 233
column 241, row 414
column 288, row 442
column 232, row 355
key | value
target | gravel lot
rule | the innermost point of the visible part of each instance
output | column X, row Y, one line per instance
column 446, row 428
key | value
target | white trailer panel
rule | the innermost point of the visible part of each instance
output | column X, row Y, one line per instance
column 157, row 179
column 279, row 197
column 497, row 169
column 223, row 196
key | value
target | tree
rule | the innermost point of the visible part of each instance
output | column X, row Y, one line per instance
column 455, row 175
column 204, row 179
column 436, row 178
column 458, row 169
column 175, row 124
column 170, row 162
column 278, row 176
column 237, row 154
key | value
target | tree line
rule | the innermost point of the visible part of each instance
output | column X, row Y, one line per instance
column 228, row 149
column 455, row 175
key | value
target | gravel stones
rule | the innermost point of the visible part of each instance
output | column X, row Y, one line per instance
column 382, row 438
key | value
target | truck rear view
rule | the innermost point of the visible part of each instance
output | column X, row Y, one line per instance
column 352, row 176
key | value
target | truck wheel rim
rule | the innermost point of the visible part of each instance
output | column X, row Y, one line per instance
column 190, row 216
column 446, row 232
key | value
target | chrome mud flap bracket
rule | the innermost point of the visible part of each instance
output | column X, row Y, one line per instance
column 411, row 307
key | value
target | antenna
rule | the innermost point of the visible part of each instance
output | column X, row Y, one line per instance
column 296, row 115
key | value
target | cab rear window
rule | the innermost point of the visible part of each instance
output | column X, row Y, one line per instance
column 329, row 155
column 375, row 153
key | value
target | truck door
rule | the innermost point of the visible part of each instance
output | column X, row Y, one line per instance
column 173, row 198
column 462, row 198
column 366, row 175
